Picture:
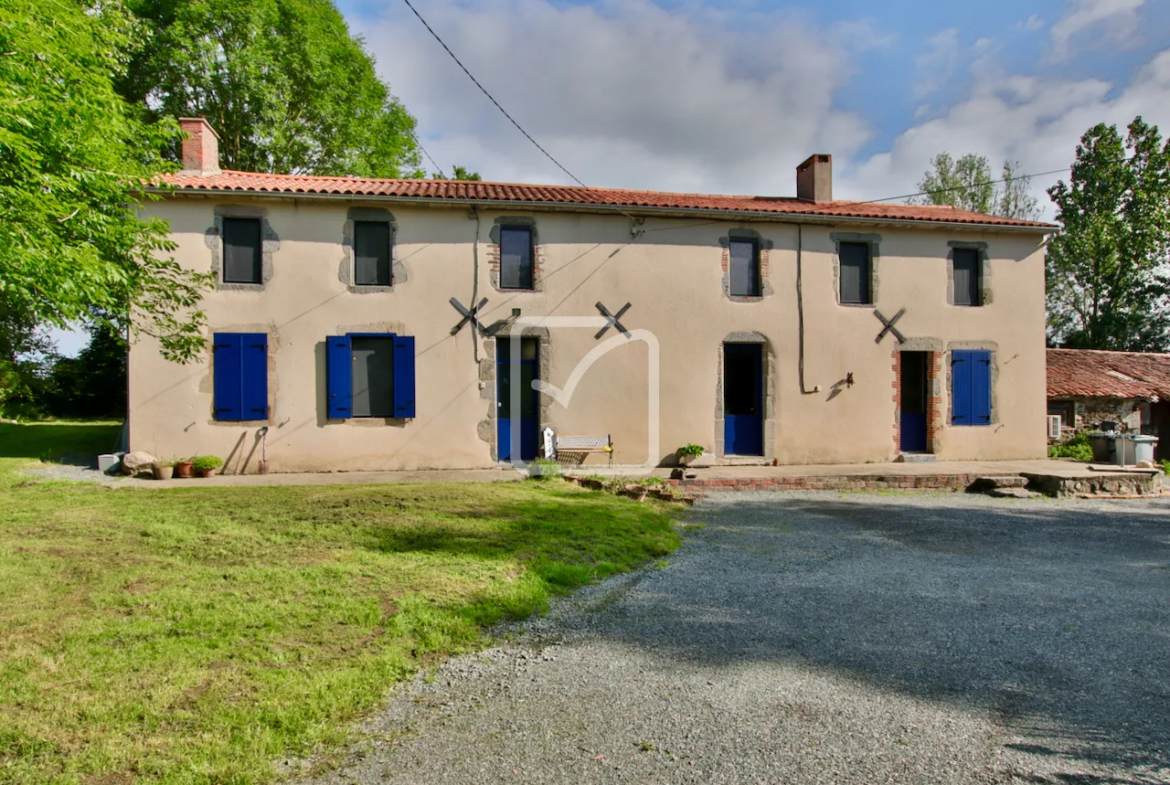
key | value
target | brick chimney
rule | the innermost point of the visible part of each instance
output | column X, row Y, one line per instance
column 200, row 146
column 814, row 179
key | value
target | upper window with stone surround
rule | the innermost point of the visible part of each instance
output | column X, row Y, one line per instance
column 242, row 250
column 968, row 277
column 371, row 253
column 856, row 272
column 516, row 257
column 744, row 272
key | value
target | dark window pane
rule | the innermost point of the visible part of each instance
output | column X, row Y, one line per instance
column 373, row 376
column 525, row 369
column 515, row 257
column 371, row 253
column 745, row 268
column 855, row 273
column 741, row 379
column 241, row 250
column 913, row 398
column 967, row 277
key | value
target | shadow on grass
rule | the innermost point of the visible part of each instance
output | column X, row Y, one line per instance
column 76, row 443
column 1053, row 618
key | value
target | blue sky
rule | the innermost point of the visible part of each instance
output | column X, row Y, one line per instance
column 728, row 97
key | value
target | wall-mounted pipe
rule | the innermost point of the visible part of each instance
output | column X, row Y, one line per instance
column 475, row 283
column 800, row 309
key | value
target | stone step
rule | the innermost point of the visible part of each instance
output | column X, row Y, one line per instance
column 1004, row 481
column 917, row 457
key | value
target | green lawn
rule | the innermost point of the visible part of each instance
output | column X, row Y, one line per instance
column 197, row 635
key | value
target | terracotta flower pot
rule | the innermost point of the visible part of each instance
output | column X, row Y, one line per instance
column 184, row 469
column 205, row 472
column 163, row 472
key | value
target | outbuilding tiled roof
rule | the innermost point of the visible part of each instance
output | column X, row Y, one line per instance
column 1082, row 372
column 462, row 191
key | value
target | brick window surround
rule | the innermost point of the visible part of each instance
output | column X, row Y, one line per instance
column 528, row 222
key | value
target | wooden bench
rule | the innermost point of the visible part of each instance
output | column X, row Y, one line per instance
column 581, row 444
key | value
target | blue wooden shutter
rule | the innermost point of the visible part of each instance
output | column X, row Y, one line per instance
column 254, row 376
column 404, row 376
column 980, row 388
column 962, row 410
column 339, row 377
column 226, row 375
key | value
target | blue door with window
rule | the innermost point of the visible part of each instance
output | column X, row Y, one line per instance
column 518, row 421
column 912, row 400
column 743, row 399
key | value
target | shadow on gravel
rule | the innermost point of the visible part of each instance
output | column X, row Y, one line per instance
column 1054, row 617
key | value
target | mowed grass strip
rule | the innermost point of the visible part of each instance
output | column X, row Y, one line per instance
column 198, row 635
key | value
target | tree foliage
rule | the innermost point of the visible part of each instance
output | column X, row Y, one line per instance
column 26, row 359
column 283, row 82
column 1109, row 266
column 458, row 173
column 93, row 384
column 72, row 165
column 967, row 183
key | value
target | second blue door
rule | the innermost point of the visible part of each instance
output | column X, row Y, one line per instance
column 743, row 399
column 518, row 431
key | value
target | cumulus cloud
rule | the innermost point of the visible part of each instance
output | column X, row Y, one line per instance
column 1035, row 120
column 631, row 95
column 627, row 94
column 1092, row 23
column 937, row 64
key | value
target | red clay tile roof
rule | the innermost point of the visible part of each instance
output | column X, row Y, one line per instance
column 462, row 191
column 1083, row 372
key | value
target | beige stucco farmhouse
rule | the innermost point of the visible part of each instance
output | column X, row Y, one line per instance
column 407, row 324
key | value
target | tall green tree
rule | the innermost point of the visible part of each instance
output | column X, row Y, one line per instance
column 1109, row 266
column 967, row 183
column 283, row 82
column 72, row 165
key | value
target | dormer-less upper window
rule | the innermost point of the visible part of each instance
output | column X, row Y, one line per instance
column 744, row 258
column 242, row 247
column 516, row 257
column 371, row 253
column 968, row 277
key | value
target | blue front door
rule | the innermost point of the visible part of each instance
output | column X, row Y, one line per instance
column 743, row 399
column 517, row 428
column 912, row 401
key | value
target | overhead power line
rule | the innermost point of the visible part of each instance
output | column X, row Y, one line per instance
column 489, row 95
column 418, row 141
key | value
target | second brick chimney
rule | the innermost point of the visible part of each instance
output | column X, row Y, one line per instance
column 200, row 146
column 814, row 179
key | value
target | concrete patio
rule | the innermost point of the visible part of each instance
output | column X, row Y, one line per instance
column 954, row 475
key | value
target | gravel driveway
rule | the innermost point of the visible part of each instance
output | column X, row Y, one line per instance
column 826, row 638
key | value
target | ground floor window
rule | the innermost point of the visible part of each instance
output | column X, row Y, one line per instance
column 970, row 387
column 240, row 376
column 370, row 375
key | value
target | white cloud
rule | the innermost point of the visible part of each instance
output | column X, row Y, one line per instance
column 1035, row 120
column 625, row 95
column 630, row 95
column 1030, row 25
column 1093, row 23
column 937, row 64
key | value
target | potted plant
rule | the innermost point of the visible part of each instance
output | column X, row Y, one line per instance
column 163, row 470
column 184, row 468
column 688, row 453
column 205, row 465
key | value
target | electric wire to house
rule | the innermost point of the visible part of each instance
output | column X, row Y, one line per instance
column 503, row 111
